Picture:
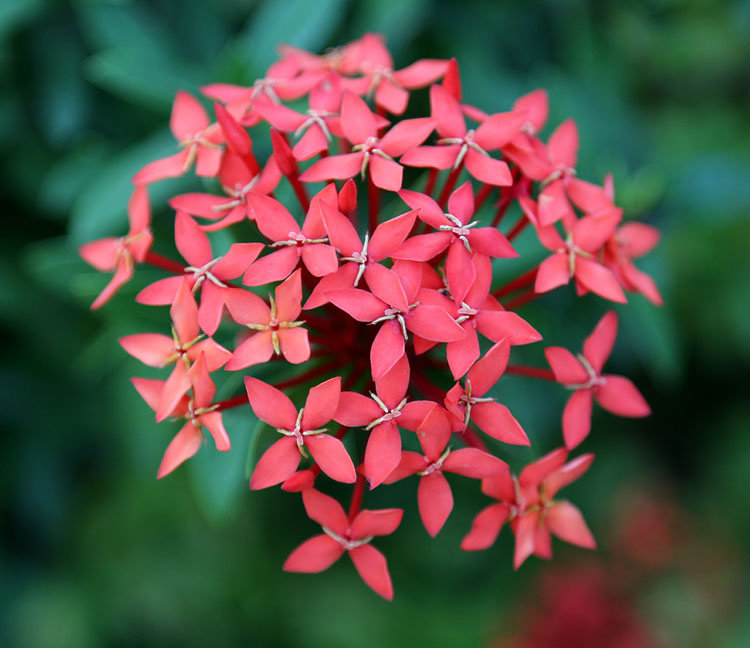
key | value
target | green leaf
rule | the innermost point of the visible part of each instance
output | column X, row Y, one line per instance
column 100, row 209
column 218, row 478
column 301, row 23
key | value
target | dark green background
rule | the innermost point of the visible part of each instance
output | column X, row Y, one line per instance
column 95, row 552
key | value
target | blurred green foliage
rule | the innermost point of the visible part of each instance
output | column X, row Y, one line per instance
column 94, row 552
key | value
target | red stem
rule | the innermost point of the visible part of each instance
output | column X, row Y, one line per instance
column 450, row 182
column 518, row 227
column 533, row 372
column 299, row 191
column 482, row 195
column 432, row 177
column 359, row 491
column 516, row 284
column 522, row 299
column 471, row 438
column 159, row 261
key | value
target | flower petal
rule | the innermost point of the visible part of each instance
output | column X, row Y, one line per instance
column 435, row 501
column 314, row 555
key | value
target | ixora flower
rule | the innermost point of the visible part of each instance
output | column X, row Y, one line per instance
column 377, row 299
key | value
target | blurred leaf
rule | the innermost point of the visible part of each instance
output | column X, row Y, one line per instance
column 218, row 478
column 398, row 19
column 100, row 210
column 14, row 13
column 301, row 23
column 134, row 74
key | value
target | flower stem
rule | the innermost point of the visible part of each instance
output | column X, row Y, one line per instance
column 518, row 227
column 482, row 195
column 522, row 299
column 359, row 491
column 432, row 177
column 532, row 372
column 516, row 284
column 159, row 261
column 450, row 182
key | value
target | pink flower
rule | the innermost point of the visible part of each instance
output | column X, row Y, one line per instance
column 197, row 410
column 301, row 431
column 583, row 375
column 527, row 503
column 342, row 535
column 121, row 254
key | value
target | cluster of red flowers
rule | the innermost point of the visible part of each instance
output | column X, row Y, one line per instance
column 392, row 306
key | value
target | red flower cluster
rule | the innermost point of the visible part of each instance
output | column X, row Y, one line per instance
column 371, row 307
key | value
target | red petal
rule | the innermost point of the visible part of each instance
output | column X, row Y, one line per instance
column 203, row 387
column 270, row 404
column 277, row 464
column 567, row 523
column 406, row 135
column 334, row 167
column 566, row 367
column 149, row 390
column 446, row 109
column 360, row 304
column 208, row 161
column 463, row 353
column 436, row 157
column 184, row 313
column 314, row 555
column 295, row 345
column 525, row 530
column 433, row 323
column 496, row 420
column 434, row 432
column 184, row 445
column 272, row 267
column 273, row 219
column 563, row 144
column 246, row 307
column 312, row 143
column 373, row 569
column 325, row 510
column 485, row 528
column 387, row 349
column 376, row 523
column 214, row 424
column 385, row 284
column 536, row 103
column 191, row 241
column 620, row 396
column 159, row 293
column 576, row 419
column 501, row 487
column 411, row 463
column 598, row 345
column 356, row 410
column 592, row 232
column 237, row 260
column 340, row 230
column 386, row 174
column 391, row 388
column 330, row 454
column 638, row 238
column 474, row 463
column 589, row 197
column 497, row 325
column 256, row 349
column 429, row 211
column 175, row 388
column 101, row 254
column 188, row 116
column 357, row 121
column 390, row 235
column 459, row 271
column 289, row 298
column 554, row 271
column 435, row 501
column 421, row 73
column 599, row 280
column 321, row 404
column 534, row 473
column 168, row 167
column 487, row 169
column 152, row 349
column 391, row 97
column 485, row 373
column 499, row 129
column 569, row 473
column 422, row 247
column 236, row 137
column 383, row 453
column 492, row 242
column 319, row 259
